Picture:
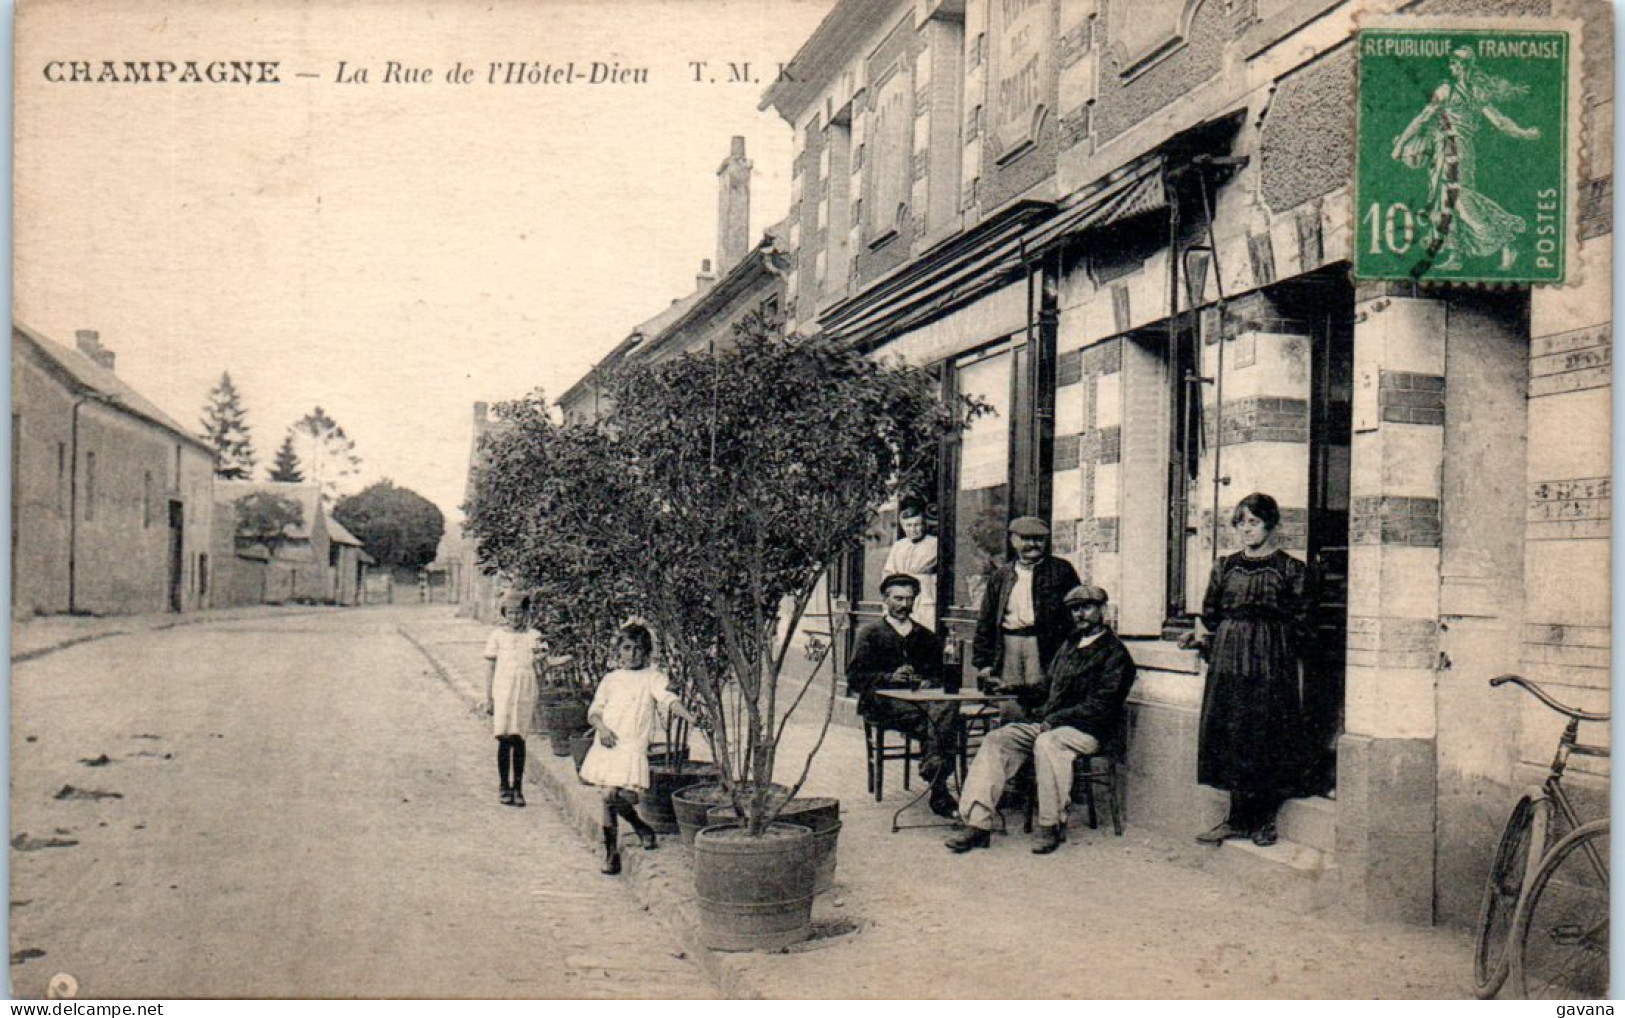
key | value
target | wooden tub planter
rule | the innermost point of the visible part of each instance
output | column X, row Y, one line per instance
column 692, row 806
column 755, row 893
column 657, row 807
column 820, row 815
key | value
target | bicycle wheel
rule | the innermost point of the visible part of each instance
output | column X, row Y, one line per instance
column 1560, row 933
column 1516, row 857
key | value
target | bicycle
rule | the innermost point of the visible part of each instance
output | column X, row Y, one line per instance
column 1543, row 922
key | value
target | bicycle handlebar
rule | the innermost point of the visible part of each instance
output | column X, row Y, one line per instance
column 1547, row 699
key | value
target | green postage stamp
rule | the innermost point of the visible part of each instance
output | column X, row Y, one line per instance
column 1462, row 156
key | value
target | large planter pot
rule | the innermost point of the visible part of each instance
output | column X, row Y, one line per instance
column 820, row 815
column 656, row 806
column 563, row 720
column 547, row 697
column 754, row 893
column 692, row 807
column 580, row 743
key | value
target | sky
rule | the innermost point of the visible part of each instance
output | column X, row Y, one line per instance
column 392, row 251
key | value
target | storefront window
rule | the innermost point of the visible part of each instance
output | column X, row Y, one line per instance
column 982, row 500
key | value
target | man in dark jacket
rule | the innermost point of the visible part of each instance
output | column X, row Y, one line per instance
column 896, row 652
column 1022, row 622
column 1089, row 682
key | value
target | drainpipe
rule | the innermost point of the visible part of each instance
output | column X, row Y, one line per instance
column 73, row 507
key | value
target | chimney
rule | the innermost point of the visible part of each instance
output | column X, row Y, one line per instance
column 705, row 277
column 89, row 342
column 733, row 207
column 482, row 411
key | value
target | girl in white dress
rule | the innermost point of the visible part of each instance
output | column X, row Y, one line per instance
column 625, row 714
column 513, row 655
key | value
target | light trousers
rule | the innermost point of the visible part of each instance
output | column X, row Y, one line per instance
column 1021, row 665
column 1004, row 751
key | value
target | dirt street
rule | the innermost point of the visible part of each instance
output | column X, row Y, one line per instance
column 295, row 807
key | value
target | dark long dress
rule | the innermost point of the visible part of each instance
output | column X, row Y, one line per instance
column 1254, row 737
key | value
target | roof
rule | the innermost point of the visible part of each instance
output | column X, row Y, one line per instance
column 90, row 378
column 646, row 329
column 761, row 264
column 338, row 533
column 307, row 495
column 833, row 44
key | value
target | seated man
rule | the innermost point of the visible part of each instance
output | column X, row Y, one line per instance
column 1089, row 681
column 898, row 653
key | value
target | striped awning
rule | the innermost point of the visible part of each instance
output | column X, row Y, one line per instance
column 1131, row 191
column 988, row 257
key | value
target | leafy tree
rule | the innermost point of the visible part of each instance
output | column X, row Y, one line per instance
column 264, row 517
column 226, row 430
column 326, row 453
column 550, row 509
column 398, row 526
column 713, row 498
column 286, row 467
column 761, row 466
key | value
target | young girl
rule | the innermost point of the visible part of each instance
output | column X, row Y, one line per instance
column 513, row 656
column 625, row 713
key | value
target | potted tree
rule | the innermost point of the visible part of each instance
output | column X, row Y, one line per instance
column 543, row 512
column 759, row 466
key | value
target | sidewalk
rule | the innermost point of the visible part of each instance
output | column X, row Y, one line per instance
column 36, row 637
column 1104, row 917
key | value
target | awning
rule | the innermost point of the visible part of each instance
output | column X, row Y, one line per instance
column 946, row 277
column 1132, row 191
column 986, row 258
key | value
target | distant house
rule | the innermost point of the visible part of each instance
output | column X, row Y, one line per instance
column 303, row 566
column 349, row 562
column 111, row 511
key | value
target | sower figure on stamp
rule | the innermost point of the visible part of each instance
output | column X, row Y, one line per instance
column 1022, row 620
column 1461, row 219
column 896, row 652
column 1089, row 683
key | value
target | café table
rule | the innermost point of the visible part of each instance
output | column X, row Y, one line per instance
column 920, row 700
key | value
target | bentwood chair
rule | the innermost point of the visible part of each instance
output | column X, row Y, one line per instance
column 878, row 749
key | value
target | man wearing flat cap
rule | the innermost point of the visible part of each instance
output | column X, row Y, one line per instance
column 1022, row 620
column 1089, row 682
column 896, row 652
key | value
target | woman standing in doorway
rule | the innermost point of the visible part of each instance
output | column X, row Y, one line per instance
column 1253, row 730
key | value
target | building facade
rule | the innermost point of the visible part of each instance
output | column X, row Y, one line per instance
column 111, row 504
column 316, row 562
column 1127, row 227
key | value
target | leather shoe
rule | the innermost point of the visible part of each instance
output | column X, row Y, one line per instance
column 969, row 838
column 1266, row 835
column 944, row 806
column 1220, row 834
column 1048, row 839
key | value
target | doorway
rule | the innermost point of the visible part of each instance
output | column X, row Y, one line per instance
column 177, row 560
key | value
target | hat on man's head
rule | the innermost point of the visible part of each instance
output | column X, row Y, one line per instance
column 1086, row 594
column 1028, row 526
column 899, row 580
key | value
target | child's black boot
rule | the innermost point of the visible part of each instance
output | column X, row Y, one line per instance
column 612, row 853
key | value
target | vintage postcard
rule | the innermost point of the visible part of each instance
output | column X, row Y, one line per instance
column 1137, row 474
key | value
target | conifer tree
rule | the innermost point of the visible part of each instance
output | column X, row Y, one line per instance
column 226, row 430
column 286, row 467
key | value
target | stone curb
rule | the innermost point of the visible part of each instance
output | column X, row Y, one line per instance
column 182, row 620
column 662, row 883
